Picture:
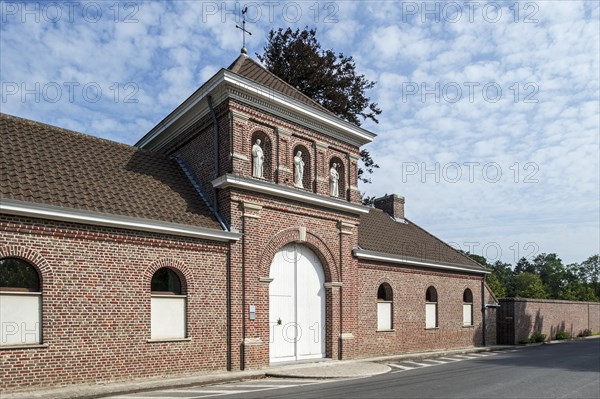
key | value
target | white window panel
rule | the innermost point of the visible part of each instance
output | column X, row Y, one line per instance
column 384, row 316
column 168, row 317
column 468, row 314
column 20, row 319
column 431, row 315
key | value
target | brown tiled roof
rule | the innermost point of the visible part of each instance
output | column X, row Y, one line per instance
column 48, row 165
column 250, row 69
column 378, row 232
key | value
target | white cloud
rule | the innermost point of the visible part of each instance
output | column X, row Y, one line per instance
column 175, row 46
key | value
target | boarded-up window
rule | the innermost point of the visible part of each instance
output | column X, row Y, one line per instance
column 384, row 307
column 168, row 306
column 20, row 303
column 431, row 319
column 467, row 308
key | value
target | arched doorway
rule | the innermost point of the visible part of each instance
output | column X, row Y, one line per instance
column 296, row 305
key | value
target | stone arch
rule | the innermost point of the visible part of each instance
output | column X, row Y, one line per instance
column 182, row 271
column 267, row 142
column 307, row 180
column 34, row 258
column 312, row 241
column 342, row 183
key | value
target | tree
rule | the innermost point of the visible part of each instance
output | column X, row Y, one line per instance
column 328, row 78
column 496, row 286
column 529, row 285
column 552, row 272
column 576, row 291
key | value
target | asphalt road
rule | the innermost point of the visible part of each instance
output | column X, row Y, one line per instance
column 565, row 370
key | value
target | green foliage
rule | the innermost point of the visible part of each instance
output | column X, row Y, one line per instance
column 496, row 286
column 561, row 335
column 585, row 333
column 544, row 277
column 529, row 285
column 538, row 337
column 328, row 78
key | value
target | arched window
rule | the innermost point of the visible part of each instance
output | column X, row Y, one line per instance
column 431, row 304
column 168, row 306
column 267, row 148
column 341, row 176
column 467, row 308
column 20, row 303
column 307, row 173
column 385, row 300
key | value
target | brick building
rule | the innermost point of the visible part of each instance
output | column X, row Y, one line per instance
column 196, row 250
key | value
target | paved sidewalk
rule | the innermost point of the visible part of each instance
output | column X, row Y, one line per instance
column 322, row 369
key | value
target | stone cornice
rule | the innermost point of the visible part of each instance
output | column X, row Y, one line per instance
column 227, row 84
column 277, row 190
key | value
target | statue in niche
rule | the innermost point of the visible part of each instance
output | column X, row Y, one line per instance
column 298, row 170
column 334, row 176
column 258, row 159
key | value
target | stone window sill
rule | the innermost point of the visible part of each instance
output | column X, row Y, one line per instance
column 25, row 346
column 151, row 341
column 384, row 331
column 432, row 328
column 468, row 326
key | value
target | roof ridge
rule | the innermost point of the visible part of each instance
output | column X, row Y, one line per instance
column 237, row 64
column 446, row 244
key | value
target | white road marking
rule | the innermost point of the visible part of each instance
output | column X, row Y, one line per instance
column 401, row 367
column 436, row 361
column 450, row 358
column 419, row 364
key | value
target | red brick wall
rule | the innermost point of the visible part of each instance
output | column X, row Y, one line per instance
column 409, row 286
column 265, row 232
column 550, row 317
column 96, row 303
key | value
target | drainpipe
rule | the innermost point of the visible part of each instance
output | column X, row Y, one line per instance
column 483, row 308
column 228, row 278
column 215, row 149
column 243, row 347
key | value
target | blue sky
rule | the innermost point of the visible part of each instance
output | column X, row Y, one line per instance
column 491, row 110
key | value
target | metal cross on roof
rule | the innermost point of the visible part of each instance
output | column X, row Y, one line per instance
column 244, row 31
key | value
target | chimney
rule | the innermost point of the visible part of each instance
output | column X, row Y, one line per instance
column 391, row 204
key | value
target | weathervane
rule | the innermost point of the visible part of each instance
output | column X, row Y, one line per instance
column 244, row 31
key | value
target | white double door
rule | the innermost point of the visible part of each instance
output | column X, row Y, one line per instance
column 296, row 305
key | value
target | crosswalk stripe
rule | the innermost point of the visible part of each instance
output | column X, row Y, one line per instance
column 419, row 364
column 450, row 358
column 436, row 361
column 402, row 367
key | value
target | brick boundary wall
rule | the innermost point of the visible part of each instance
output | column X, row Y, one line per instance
column 519, row 318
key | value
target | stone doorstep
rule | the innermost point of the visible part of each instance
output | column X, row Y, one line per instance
column 92, row 391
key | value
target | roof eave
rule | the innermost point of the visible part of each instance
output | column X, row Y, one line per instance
column 51, row 212
column 405, row 260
